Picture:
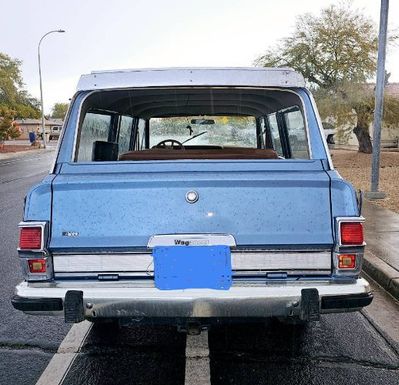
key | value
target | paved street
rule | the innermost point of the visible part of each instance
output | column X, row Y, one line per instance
column 354, row 348
column 26, row 343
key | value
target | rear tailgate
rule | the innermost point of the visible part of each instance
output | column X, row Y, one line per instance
column 120, row 206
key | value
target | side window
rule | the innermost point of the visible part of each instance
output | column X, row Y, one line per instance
column 275, row 134
column 125, row 132
column 295, row 125
column 95, row 127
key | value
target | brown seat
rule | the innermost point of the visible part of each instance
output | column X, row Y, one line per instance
column 220, row 153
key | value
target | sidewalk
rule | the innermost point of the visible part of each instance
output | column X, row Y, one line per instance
column 51, row 146
column 11, row 155
column 381, row 261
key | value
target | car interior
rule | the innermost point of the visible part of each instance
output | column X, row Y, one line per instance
column 191, row 123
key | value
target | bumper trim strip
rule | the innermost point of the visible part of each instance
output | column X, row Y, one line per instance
column 36, row 304
column 346, row 301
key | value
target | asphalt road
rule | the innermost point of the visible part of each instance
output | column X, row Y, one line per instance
column 354, row 348
column 341, row 349
column 27, row 343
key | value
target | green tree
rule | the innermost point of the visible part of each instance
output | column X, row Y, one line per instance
column 12, row 94
column 8, row 127
column 59, row 110
column 337, row 53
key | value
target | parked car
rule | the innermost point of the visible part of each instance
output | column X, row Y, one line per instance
column 329, row 132
column 54, row 133
column 179, row 195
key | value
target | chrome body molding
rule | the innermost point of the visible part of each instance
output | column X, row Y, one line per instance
column 318, row 262
column 121, row 299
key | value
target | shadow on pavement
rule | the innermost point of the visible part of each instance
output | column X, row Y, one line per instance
column 130, row 355
column 340, row 349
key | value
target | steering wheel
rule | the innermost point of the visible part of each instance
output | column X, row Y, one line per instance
column 172, row 142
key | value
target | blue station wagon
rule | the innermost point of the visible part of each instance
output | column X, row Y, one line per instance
column 192, row 195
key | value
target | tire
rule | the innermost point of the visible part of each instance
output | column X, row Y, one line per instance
column 330, row 139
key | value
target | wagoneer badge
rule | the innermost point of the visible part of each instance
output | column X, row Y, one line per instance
column 70, row 234
column 192, row 197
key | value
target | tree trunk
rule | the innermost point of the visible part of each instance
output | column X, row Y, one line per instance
column 362, row 129
column 364, row 139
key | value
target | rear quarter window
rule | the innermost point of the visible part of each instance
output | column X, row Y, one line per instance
column 95, row 127
column 295, row 125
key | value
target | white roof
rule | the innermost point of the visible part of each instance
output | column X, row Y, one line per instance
column 164, row 77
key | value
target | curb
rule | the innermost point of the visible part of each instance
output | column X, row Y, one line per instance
column 62, row 361
column 384, row 274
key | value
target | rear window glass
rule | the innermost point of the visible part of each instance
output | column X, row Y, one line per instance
column 229, row 131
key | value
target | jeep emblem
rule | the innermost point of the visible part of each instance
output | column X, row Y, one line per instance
column 192, row 196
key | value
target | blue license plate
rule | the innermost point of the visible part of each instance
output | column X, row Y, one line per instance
column 192, row 267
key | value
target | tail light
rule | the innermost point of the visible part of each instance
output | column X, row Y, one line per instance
column 346, row 261
column 31, row 238
column 349, row 249
column 37, row 265
column 35, row 260
column 347, row 264
column 352, row 233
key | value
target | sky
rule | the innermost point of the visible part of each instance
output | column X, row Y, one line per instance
column 103, row 34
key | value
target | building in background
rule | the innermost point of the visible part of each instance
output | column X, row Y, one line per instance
column 52, row 127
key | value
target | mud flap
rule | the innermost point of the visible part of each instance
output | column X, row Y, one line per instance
column 310, row 305
column 73, row 306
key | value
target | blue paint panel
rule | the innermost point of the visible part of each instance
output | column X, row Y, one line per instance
column 125, row 209
column 38, row 201
column 192, row 267
column 343, row 197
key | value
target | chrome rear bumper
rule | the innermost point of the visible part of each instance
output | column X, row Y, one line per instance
column 122, row 300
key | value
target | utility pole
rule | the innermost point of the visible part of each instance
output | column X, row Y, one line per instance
column 41, row 86
column 379, row 103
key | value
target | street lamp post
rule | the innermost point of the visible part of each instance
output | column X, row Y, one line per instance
column 41, row 86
